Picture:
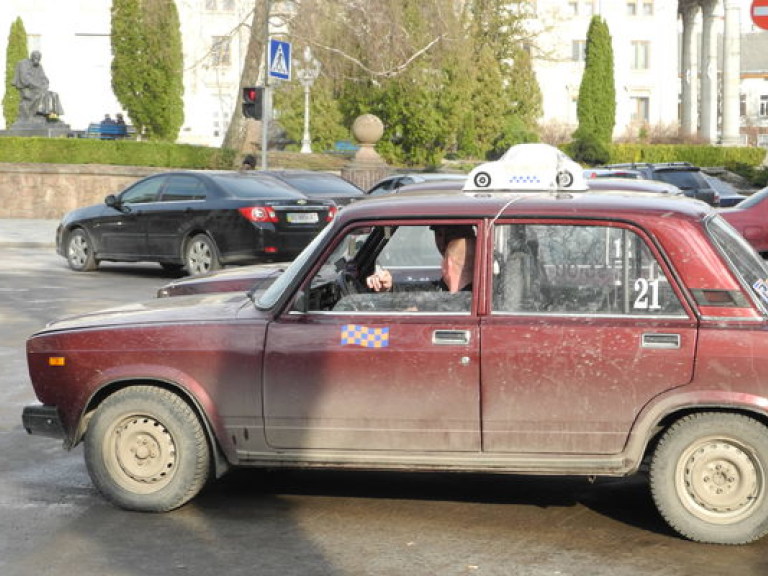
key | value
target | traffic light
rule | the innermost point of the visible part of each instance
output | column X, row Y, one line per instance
column 253, row 102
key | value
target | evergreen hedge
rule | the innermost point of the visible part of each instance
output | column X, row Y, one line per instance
column 695, row 154
column 116, row 152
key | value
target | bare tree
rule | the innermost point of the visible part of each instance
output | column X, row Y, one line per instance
column 236, row 137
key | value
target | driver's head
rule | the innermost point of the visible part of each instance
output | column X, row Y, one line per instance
column 458, row 263
column 444, row 234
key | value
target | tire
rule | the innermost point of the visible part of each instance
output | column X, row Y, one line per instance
column 146, row 450
column 80, row 251
column 200, row 255
column 708, row 478
column 172, row 267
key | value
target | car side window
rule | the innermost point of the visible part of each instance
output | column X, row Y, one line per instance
column 571, row 269
column 142, row 192
column 180, row 188
column 409, row 255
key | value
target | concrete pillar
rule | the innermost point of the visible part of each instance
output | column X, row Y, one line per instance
column 709, row 80
column 689, row 70
column 731, row 74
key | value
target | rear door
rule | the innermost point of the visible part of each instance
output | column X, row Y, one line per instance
column 586, row 328
column 181, row 203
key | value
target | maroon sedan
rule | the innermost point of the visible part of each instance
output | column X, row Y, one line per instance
column 750, row 217
column 592, row 334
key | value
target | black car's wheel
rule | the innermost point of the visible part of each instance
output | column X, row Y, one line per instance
column 708, row 478
column 79, row 251
column 146, row 450
column 200, row 255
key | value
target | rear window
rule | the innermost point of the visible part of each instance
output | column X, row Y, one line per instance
column 321, row 184
column 687, row 180
column 252, row 186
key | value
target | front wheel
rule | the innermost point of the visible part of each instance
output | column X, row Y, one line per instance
column 708, row 478
column 79, row 251
column 146, row 450
column 200, row 255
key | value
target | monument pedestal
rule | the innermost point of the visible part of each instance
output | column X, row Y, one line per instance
column 41, row 127
column 367, row 167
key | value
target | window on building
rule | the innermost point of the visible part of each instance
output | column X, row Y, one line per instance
column 632, row 8
column 588, row 8
column 641, row 55
column 764, row 105
column 742, row 104
column 648, row 8
column 34, row 42
column 573, row 8
column 579, row 50
column 222, row 5
column 640, row 108
column 762, row 140
column 220, row 51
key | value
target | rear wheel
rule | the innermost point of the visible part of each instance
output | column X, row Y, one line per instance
column 708, row 478
column 79, row 251
column 200, row 255
column 146, row 450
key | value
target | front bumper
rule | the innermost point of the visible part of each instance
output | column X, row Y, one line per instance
column 42, row 420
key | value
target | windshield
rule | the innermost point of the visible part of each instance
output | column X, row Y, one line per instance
column 273, row 293
column 747, row 263
column 756, row 198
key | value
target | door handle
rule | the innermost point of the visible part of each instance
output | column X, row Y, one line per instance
column 451, row 337
column 661, row 341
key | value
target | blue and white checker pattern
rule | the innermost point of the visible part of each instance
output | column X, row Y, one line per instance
column 525, row 179
column 356, row 335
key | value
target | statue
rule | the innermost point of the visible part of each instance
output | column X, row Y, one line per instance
column 36, row 99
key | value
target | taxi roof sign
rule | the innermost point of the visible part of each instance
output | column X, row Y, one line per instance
column 528, row 168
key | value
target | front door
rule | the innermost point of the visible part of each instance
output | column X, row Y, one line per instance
column 350, row 369
column 123, row 231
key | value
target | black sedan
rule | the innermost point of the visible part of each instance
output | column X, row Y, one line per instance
column 194, row 220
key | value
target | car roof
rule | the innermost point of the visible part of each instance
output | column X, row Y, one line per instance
column 449, row 204
column 633, row 184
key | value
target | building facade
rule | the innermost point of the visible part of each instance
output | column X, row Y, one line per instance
column 670, row 67
column 74, row 39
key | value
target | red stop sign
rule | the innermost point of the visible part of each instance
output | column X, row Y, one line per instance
column 759, row 12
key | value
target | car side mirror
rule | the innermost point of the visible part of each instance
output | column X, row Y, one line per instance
column 114, row 202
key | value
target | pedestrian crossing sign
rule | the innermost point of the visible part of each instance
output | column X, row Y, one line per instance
column 280, row 59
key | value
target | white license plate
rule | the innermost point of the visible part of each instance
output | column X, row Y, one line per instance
column 302, row 217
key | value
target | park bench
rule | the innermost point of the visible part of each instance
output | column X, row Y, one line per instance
column 343, row 147
column 105, row 131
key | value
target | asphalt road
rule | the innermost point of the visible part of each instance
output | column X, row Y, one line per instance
column 52, row 520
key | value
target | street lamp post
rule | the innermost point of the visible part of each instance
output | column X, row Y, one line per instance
column 307, row 72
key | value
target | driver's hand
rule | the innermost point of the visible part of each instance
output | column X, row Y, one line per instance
column 381, row 281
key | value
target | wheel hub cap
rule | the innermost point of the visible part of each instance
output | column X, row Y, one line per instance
column 721, row 478
column 144, row 450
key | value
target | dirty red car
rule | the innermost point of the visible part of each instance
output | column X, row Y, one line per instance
column 750, row 217
column 599, row 335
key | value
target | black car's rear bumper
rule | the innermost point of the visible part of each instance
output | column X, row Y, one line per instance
column 42, row 420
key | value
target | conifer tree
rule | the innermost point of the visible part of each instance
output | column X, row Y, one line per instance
column 15, row 51
column 147, row 65
column 596, row 106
